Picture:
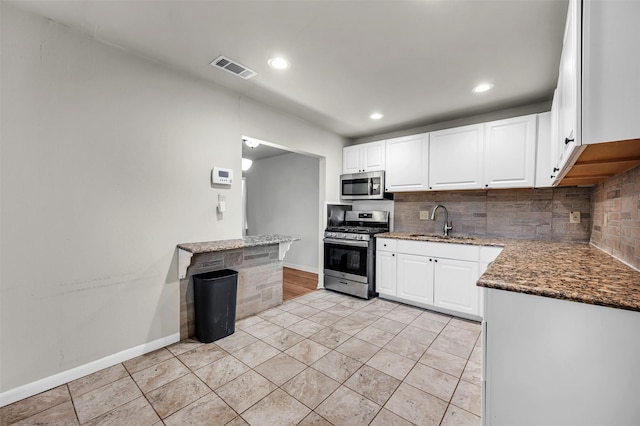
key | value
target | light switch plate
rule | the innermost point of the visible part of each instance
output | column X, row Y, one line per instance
column 574, row 217
column 424, row 215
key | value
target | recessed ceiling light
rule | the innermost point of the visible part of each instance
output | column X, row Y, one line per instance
column 483, row 87
column 278, row 63
column 251, row 143
column 376, row 116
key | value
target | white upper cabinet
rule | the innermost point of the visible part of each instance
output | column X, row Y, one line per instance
column 510, row 153
column 407, row 163
column 366, row 157
column 455, row 158
column 543, row 150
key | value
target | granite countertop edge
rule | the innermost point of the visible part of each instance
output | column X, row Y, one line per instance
column 238, row 243
column 573, row 271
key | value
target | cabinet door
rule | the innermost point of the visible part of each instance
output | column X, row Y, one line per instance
column 386, row 272
column 373, row 156
column 455, row 285
column 543, row 151
column 510, row 153
column 351, row 159
column 415, row 278
column 455, row 158
column 407, row 164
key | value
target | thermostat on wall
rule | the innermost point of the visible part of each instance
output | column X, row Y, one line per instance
column 222, row 176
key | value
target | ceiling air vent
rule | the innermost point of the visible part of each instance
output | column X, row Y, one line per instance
column 233, row 67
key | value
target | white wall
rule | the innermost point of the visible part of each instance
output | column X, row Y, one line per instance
column 282, row 198
column 104, row 168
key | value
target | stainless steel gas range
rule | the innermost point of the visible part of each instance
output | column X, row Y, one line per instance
column 349, row 253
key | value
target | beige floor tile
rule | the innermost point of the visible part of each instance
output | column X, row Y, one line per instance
column 244, row 391
column 205, row 410
column 306, row 327
column 365, row 318
column 432, row 381
column 375, row 336
column 277, row 408
column 305, row 311
column 358, row 349
column 354, row 303
column 458, row 417
column 377, row 309
column 389, row 325
column 401, row 316
column 147, row 360
column 256, row 353
column 96, row 380
column 102, row 400
column 62, row 414
column 418, row 335
column 221, row 372
column 285, row 319
column 325, row 318
column 340, row 310
column 263, row 329
column 428, row 324
column 337, row 366
column 476, row 355
column 236, row 341
column 348, row 326
column 387, row 418
column 372, row 384
column 269, row 313
column 238, row 421
column 201, row 356
column 138, row 409
column 248, row 322
column 436, row 316
column 406, row 347
column 289, row 305
column 310, row 387
column 467, row 337
column 330, row 337
column 322, row 304
column 416, row 406
column 452, row 346
column 314, row 419
column 443, row 361
column 175, row 395
column 466, row 324
column 283, row 340
column 392, row 364
column 345, row 407
column 184, row 346
column 472, row 373
column 33, row 405
column 467, row 396
column 280, row 368
column 307, row 351
column 160, row 374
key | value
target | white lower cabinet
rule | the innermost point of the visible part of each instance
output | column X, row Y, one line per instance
column 438, row 276
column 456, row 285
column 386, row 272
column 415, row 278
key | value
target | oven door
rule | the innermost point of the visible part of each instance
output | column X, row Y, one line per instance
column 347, row 259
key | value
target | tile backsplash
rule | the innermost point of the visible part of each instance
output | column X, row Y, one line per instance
column 540, row 214
column 616, row 216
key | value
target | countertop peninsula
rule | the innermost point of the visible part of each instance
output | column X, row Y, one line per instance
column 244, row 242
column 573, row 271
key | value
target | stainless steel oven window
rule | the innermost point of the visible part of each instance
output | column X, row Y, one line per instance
column 345, row 258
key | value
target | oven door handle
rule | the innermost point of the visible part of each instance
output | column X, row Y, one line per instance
column 352, row 243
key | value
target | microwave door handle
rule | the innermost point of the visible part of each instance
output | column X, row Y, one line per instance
column 370, row 186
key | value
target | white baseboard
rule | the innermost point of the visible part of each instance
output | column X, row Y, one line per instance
column 301, row 268
column 34, row 388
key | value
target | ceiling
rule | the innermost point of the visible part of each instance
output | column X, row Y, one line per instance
column 415, row 61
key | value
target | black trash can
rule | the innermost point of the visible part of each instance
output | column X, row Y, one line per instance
column 215, row 304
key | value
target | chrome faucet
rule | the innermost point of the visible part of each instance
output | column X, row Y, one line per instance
column 447, row 225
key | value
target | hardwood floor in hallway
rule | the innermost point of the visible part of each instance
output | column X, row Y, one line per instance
column 296, row 283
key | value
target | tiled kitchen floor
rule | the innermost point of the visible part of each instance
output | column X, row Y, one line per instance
column 321, row 359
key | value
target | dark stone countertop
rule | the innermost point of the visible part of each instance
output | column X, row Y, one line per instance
column 248, row 241
column 573, row 271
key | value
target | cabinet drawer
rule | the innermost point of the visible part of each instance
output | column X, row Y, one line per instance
column 441, row 250
column 386, row 244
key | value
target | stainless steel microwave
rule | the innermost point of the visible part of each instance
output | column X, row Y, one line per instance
column 362, row 186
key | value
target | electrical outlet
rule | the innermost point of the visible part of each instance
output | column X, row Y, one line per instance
column 424, row 215
column 574, row 217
